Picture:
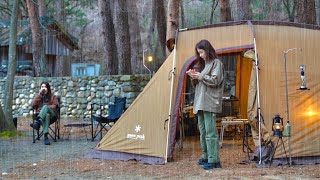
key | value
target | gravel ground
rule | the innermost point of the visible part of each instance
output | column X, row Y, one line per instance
column 22, row 151
column 22, row 159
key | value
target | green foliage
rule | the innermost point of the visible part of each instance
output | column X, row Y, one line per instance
column 259, row 9
column 197, row 13
column 11, row 134
column 5, row 10
column 74, row 12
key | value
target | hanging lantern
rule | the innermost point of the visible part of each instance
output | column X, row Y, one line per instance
column 303, row 85
column 277, row 126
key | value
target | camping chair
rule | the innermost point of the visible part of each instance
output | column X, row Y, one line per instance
column 114, row 113
column 54, row 132
column 120, row 99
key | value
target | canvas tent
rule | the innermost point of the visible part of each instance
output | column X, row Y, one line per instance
column 147, row 130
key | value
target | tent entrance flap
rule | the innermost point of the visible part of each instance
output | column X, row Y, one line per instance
column 176, row 107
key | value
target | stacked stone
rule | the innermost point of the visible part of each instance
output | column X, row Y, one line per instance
column 77, row 93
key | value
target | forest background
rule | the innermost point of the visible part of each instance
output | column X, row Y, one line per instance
column 117, row 33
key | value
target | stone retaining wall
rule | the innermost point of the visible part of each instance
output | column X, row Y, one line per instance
column 77, row 94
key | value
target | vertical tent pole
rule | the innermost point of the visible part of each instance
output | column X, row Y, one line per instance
column 171, row 92
column 258, row 97
column 258, row 88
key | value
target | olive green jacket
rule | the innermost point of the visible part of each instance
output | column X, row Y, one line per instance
column 209, row 88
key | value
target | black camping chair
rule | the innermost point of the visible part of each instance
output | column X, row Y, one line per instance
column 54, row 132
column 114, row 113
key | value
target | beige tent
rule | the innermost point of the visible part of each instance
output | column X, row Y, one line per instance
column 146, row 131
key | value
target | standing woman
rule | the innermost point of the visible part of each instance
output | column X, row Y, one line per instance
column 46, row 105
column 209, row 84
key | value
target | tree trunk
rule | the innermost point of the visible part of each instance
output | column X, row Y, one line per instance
column 225, row 11
column 6, row 117
column 59, row 12
column 273, row 13
column 183, row 23
column 151, row 25
column 306, row 12
column 172, row 23
column 3, row 121
column 270, row 13
column 110, row 63
column 213, row 8
column 161, row 26
column 135, row 38
column 318, row 11
column 290, row 6
column 63, row 63
column 42, row 8
column 243, row 10
column 122, row 37
column 39, row 59
column 42, row 14
column 150, row 35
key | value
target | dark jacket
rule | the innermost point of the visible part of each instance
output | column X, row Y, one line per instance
column 40, row 100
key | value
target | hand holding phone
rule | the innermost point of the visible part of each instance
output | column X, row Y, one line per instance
column 193, row 73
column 42, row 91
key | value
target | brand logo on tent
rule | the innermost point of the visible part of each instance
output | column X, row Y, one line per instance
column 136, row 136
column 138, row 128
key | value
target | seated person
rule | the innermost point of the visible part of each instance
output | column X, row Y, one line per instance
column 46, row 105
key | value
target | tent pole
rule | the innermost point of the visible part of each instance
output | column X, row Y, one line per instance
column 171, row 92
column 258, row 97
column 258, row 88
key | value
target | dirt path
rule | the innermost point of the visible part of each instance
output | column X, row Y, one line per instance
column 21, row 159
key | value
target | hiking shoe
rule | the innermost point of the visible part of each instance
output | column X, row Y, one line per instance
column 217, row 165
column 208, row 166
column 35, row 125
column 46, row 139
column 202, row 161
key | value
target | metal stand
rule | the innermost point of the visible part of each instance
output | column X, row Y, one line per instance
column 143, row 62
column 285, row 52
column 275, row 148
column 245, row 142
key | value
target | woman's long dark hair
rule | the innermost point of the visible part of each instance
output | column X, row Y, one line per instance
column 48, row 87
column 198, row 64
column 207, row 47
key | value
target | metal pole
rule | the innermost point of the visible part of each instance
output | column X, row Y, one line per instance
column 258, row 88
column 258, row 99
column 171, row 92
column 287, row 98
column 143, row 60
column 170, row 103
